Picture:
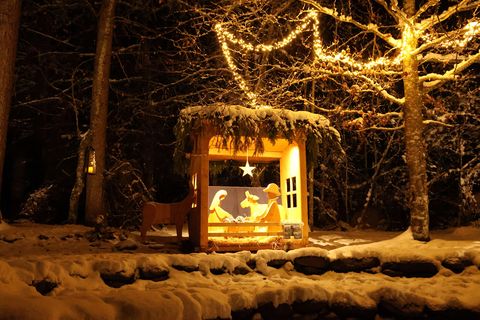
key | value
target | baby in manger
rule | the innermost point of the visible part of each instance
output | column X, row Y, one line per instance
column 269, row 212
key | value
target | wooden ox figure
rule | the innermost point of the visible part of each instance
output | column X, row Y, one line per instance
column 257, row 210
column 167, row 213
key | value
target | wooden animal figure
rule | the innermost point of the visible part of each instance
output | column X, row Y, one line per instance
column 256, row 209
column 167, row 213
column 259, row 212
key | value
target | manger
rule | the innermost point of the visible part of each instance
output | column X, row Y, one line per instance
column 246, row 213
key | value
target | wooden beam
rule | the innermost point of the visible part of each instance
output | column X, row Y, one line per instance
column 244, row 234
column 268, row 156
column 243, row 224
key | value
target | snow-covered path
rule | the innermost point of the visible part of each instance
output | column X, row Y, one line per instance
column 198, row 296
column 156, row 286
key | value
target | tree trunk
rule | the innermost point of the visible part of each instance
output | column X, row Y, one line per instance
column 9, row 23
column 415, row 148
column 311, row 188
column 85, row 141
column 311, row 175
column 98, row 113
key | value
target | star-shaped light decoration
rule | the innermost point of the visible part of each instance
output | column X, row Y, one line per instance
column 247, row 169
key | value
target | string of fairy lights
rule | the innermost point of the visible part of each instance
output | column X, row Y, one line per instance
column 341, row 59
column 321, row 53
column 468, row 32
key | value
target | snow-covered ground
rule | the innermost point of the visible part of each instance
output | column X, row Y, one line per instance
column 79, row 271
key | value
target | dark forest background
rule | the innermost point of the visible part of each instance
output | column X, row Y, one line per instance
column 166, row 57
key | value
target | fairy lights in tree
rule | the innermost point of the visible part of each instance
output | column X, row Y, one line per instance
column 421, row 49
column 456, row 39
column 225, row 37
column 321, row 53
column 343, row 60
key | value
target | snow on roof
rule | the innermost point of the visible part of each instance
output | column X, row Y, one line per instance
column 255, row 120
column 281, row 117
column 235, row 121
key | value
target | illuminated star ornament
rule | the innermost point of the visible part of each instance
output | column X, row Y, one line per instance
column 247, row 169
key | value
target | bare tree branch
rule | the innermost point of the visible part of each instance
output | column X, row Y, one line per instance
column 425, row 7
column 445, row 38
column 433, row 20
column 373, row 28
column 450, row 74
column 387, row 8
column 383, row 91
column 382, row 128
column 52, row 38
column 436, row 76
column 401, row 14
column 385, row 5
column 437, row 122
column 441, row 58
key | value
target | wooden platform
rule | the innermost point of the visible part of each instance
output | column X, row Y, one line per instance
column 238, row 226
column 253, row 244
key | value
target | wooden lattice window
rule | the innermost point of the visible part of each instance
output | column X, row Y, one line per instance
column 291, row 192
column 195, row 189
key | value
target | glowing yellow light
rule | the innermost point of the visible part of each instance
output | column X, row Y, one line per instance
column 92, row 162
column 295, row 158
column 247, row 169
column 466, row 34
column 341, row 60
column 311, row 18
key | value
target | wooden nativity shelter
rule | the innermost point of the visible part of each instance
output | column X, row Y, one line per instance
column 276, row 213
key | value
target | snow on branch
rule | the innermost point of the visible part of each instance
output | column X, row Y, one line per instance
column 400, row 13
column 373, row 28
column 450, row 74
column 457, row 39
column 432, row 43
column 387, row 8
column 382, row 128
column 437, row 122
column 436, row 76
column 375, row 85
column 433, row 20
column 342, row 111
column 383, row 91
column 442, row 58
column 424, row 8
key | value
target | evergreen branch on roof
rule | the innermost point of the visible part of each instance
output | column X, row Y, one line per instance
column 242, row 127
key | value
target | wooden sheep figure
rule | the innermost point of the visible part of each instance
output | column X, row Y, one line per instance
column 167, row 213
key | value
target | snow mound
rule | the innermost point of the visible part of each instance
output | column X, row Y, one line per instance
column 79, row 289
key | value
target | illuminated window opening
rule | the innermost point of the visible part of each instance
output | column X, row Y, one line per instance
column 195, row 189
column 291, row 191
